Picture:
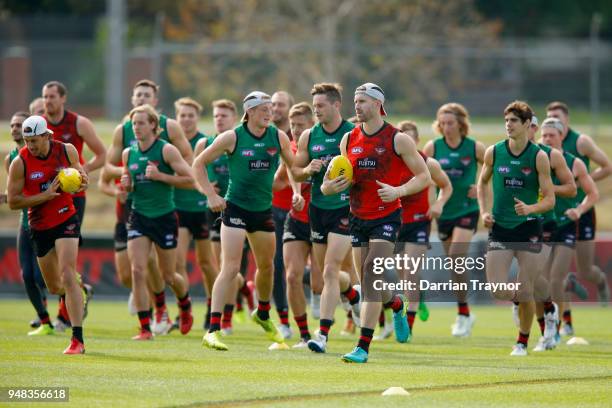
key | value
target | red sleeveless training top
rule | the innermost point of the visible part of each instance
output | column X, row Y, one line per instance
column 66, row 132
column 373, row 158
column 415, row 206
column 39, row 173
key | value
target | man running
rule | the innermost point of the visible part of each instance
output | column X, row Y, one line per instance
column 254, row 149
column 328, row 214
column 459, row 156
column 379, row 153
column 152, row 168
column 413, row 236
column 583, row 147
column 145, row 92
column 282, row 101
column 30, row 272
column 53, row 220
column 191, row 205
column 296, row 238
column 70, row 127
column 568, row 211
column 518, row 170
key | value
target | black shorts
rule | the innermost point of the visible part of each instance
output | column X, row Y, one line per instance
column 195, row 222
column 467, row 221
column 296, row 230
column 566, row 235
column 386, row 228
column 43, row 241
column 322, row 222
column 252, row 221
column 120, row 237
column 79, row 206
column 586, row 226
column 162, row 230
column 524, row 237
column 548, row 230
column 415, row 232
column 214, row 225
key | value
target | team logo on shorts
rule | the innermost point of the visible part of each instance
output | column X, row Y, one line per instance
column 388, row 227
column 526, row 170
column 236, row 221
column 247, row 153
column 272, row 151
column 318, row 148
column 70, row 227
column 344, row 221
column 37, row 175
column 466, row 160
column 357, row 150
column 465, row 221
column 380, row 150
column 534, row 239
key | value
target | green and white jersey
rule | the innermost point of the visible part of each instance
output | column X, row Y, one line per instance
column 150, row 198
column 461, row 165
column 252, row 166
column 325, row 146
column 514, row 176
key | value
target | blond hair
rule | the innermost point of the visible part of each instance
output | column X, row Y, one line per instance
column 461, row 114
column 152, row 115
column 301, row 108
column 408, row 126
column 225, row 104
column 186, row 101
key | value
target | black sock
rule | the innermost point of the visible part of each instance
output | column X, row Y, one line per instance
column 77, row 333
column 263, row 310
column 145, row 320
column 215, row 322
column 365, row 338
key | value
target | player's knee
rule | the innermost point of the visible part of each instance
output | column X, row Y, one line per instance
column 330, row 273
column 503, row 295
column 139, row 273
column 294, row 280
column 55, row 287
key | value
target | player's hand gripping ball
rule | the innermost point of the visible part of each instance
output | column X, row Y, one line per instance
column 70, row 180
column 340, row 166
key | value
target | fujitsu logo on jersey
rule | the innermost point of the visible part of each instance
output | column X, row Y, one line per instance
column 366, row 163
column 255, row 165
column 514, row 182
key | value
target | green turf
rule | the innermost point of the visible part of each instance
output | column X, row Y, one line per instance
column 437, row 369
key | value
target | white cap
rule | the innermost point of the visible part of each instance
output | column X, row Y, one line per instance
column 35, row 126
column 554, row 123
column 252, row 100
column 373, row 91
column 534, row 120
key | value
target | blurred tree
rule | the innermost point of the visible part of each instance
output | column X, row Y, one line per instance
column 291, row 44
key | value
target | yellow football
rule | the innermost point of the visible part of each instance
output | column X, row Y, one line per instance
column 70, row 180
column 340, row 166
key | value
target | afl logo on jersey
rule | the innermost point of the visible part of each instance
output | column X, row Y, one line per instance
column 248, row 153
column 318, row 148
column 443, row 161
column 503, row 169
column 526, row 171
column 134, row 166
column 37, row 175
column 357, row 150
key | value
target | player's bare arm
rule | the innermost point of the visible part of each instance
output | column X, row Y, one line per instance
column 567, row 188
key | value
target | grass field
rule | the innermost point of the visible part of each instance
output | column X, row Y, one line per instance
column 435, row 368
